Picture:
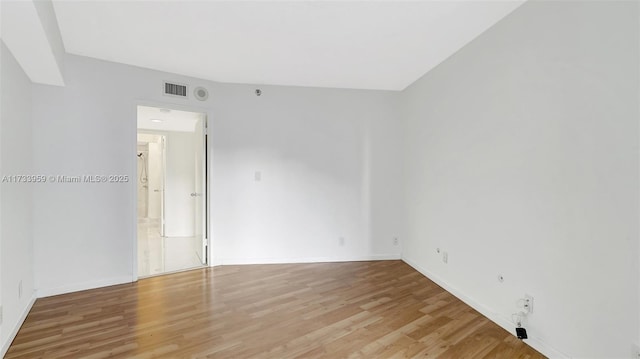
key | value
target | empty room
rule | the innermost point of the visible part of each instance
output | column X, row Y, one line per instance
column 320, row 179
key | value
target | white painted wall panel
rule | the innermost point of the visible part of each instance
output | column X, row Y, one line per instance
column 308, row 144
column 16, row 207
column 522, row 159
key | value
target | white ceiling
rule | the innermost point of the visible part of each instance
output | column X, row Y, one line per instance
column 26, row 36
column 167, row 119
column 384, row 45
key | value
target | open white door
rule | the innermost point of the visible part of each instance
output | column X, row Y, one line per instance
column 199, row 194
column 172, row 225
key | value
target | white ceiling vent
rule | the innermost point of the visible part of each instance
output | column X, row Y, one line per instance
column 201, row 93
column 174, row 89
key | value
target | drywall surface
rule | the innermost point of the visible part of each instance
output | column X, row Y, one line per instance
column 16, row 216
column 522, row 160
column 303, row 174
column 327, row 161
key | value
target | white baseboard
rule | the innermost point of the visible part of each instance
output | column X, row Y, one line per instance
column 242, row 261
column 215, row 262
column 47, row 292
column 16, row 327
column 533, row 342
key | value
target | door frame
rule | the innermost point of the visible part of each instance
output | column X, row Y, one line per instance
column 203, row 228
column 133, row 184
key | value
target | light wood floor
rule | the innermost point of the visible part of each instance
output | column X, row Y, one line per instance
column 329, row 310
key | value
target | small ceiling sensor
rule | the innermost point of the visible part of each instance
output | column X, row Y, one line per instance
column 201, row 93
column 258, row 92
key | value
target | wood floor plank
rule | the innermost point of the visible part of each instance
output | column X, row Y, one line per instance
column 381, row 309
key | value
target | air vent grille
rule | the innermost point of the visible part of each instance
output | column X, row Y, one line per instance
column 174, row 89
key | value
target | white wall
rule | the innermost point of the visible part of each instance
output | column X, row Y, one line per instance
column 3, row 49
column 319, row 180
column 522, row 160
column 16, row 217
column 309, row 144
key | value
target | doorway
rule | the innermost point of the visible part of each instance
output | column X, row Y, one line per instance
column 171, row 191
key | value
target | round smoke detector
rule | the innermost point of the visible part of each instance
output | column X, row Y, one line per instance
column 201, row 93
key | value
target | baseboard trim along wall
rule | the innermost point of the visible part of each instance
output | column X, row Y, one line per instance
column 47, row 292
column 533, row 342
column 18, row 325
column 247, row 261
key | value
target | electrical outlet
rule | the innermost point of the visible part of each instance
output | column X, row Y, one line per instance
column 445, row 257
column 528, row 303
column 257, row 176
column 20, row 289
column 341, row 241
column 395, row 241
